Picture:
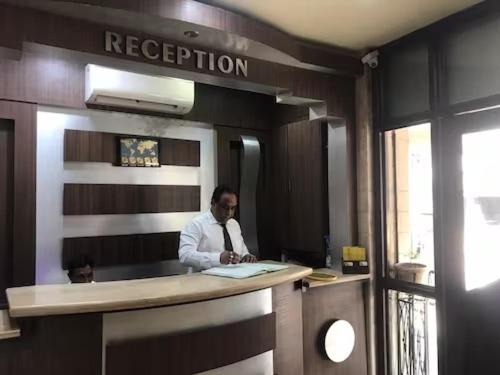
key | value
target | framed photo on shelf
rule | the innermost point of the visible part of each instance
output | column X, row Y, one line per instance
column 139, row 152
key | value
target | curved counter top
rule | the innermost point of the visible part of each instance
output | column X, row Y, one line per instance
column 62, row 299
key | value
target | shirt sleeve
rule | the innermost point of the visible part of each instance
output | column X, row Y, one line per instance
column 188, row 249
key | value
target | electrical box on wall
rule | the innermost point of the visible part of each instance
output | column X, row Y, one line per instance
column 118, row 88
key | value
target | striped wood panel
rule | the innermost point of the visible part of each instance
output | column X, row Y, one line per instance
column 90, row 146
column 193, row 351
column 120, row 250
column 101, row 199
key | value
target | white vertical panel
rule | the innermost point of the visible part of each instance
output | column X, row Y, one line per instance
column 106, row 173
column 261, row 364
column 338, row 197
column 52, row 173
column 112, row 225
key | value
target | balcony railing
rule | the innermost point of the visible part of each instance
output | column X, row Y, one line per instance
column 413, row 334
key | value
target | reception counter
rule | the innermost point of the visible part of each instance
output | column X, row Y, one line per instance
column 43, row 300
column 186, row 324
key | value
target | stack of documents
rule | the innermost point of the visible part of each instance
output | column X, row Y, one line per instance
column 243, row 270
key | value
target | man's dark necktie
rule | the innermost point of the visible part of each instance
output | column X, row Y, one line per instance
column 228, row 245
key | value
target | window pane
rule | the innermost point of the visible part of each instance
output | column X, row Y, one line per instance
column 409, row 205
column 481, row 187
column 407, row 81
column 412, row 334
column 472, row 69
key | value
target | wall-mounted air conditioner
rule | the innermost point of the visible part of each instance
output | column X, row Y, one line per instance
column 117, row 88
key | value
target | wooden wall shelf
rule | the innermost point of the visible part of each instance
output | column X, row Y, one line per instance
column 123, row 249
column 89, row 146
column 102, row 199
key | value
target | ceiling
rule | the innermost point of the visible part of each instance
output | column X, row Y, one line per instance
column 353, row 24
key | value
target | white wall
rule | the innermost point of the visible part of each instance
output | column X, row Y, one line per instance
column 53, row 172
column 338, row 191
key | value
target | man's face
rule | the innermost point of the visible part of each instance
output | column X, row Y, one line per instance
column 224, row 209
column 82, row 275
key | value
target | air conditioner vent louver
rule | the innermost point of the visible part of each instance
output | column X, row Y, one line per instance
column 116, row 88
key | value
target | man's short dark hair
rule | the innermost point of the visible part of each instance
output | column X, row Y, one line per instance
column 79, row 262
column 219, row 190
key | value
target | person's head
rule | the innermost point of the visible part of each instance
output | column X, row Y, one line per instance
column 224, row 202
column 81, row 271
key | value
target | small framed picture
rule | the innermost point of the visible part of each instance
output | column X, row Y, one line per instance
column 139, row 152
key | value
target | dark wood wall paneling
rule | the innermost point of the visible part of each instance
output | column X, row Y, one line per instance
column 43, row 80
column 6, row 207
column 306, row 197
column 220, row 19
column 300, row 190
column 287, row 304
column 73, row 34
column 123, row 249
column 192, row 352
column 179, row 152
column 88, row 146
column 280, row 187
column 57, row 345
column 103, row 199
column 320, row 307
column 232, row 108
column 19, row 259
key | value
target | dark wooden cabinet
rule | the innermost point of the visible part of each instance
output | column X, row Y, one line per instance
column 323, row 305
column 301, row 190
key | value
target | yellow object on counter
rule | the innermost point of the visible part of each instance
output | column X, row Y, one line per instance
column 321, row 276
column 353, row 254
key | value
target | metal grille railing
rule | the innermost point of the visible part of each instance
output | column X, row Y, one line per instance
column 413, row 343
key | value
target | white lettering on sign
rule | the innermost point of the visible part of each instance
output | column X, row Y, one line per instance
column 147, row 50
column 152, row 49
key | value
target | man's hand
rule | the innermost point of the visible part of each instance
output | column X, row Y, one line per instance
column 249, row 258
column 229, row 257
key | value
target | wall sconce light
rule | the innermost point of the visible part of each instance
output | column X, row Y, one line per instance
column 339, row 341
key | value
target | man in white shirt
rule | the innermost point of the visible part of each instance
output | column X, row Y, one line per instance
column 214, row 237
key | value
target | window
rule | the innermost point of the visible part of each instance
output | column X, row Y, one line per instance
column 471, row 58
column 481, row 195
column 407, row 81
column 409, row 204
column 409, row 252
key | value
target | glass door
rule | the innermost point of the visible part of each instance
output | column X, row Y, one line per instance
column 469, row 285
column 408, row 251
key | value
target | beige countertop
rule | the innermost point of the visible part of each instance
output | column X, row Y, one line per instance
column 41, row 300
column 341, row 278
column 8, row 327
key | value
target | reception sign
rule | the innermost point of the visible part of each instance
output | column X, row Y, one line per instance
column 154, row 49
